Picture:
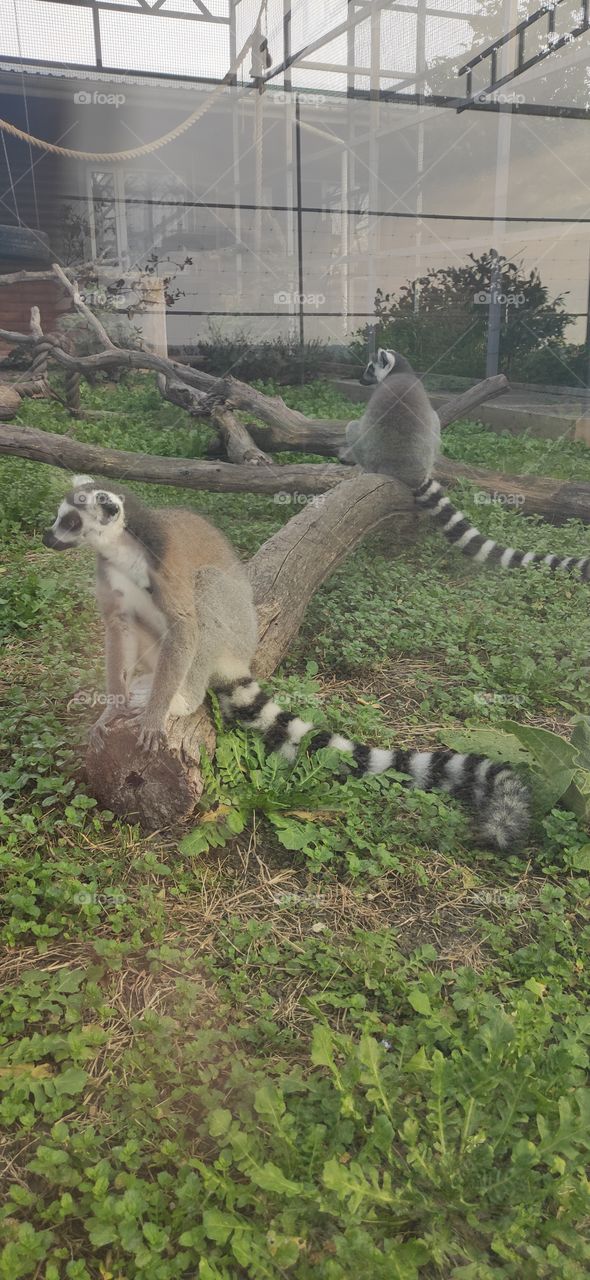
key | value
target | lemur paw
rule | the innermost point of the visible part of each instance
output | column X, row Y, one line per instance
column 151, row 737
column 97, row 733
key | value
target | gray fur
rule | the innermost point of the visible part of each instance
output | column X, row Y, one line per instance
column 177, row 604
column 399, row 435
column 399, row 432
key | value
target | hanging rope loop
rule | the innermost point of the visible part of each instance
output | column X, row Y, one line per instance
column 146, row 148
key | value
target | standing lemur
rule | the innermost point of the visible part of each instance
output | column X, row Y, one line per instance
column 179, row 618
column 399, row 434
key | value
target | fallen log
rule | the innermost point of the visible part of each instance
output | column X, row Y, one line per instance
column 156, row 789
column 328, row 437
column 291, row 565
column 184, row 473
column 554, row 500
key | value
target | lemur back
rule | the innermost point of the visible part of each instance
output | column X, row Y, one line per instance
column 179, row 618
column 399, row 434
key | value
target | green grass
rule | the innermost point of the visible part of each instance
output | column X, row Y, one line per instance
column 325, row 1036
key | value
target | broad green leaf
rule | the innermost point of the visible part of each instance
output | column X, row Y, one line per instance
column 554, row 764
column 419, row 1061
column 552, row 753
column 268, row 1101
column 577, row 796
column 581, row 740
column 195, row 842
column 218, row 1225
column 322, row 1049
column 370, row 1053
column 271, row 1178
column 102, row 1233
column 420, row 1002
column 219, row 1121
column 497, row 743
column 581, row 858
column 71, row 1081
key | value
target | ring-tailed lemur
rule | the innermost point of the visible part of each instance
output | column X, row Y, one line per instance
column 399, row 434
column 180, row 618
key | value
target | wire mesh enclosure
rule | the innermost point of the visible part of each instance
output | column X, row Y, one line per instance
column 342, row 174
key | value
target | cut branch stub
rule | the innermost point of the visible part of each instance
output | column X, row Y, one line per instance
column 10, row 401
column 238, row 444
column 156, row 789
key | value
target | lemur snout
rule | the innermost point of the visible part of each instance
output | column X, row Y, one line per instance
column 49, row 540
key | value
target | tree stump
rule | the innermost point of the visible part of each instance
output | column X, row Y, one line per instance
column 9, row 402
column 156, row 789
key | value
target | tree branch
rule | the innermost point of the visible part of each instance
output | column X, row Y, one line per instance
column 238, row 444
column 554, row 500
column 92, row 321
column 184, row 473
column 461, row 406
column 291, row 565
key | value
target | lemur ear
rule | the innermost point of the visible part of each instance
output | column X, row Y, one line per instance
column 107, row 505
column 385, row 358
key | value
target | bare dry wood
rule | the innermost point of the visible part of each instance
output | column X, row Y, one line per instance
column 461, row 406
column 283, row 428
column 184, row 473
column 113, row 358
column 9, row 401
column 291, row 565
column 157, row 789
column 19, row 277
column 38, row 369
column 328, row 437
column 72, row 287
column 554, row 500
column 187, row 398
column 238, row 444
column 15, row 339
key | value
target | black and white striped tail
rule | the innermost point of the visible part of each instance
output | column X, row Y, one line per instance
column 466, row 538
column 497, row 796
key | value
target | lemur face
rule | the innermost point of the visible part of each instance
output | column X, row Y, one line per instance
column 87, row 517
column 379, row 368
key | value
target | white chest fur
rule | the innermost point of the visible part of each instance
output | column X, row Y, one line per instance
column 128, row 575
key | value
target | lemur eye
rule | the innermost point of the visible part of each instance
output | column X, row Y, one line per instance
column 107, row 505
column 70, row 522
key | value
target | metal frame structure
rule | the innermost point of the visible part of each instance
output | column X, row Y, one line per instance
column 518, row 33
column 507, row 60
column 359, row 11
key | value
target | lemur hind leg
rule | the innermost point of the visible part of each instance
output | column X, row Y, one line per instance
column 227, row 630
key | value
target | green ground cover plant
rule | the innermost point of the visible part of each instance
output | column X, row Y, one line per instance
column 320, row 1033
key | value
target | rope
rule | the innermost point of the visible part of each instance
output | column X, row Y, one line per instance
column 147, row 147
column 41, row 350
column 72, row 386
